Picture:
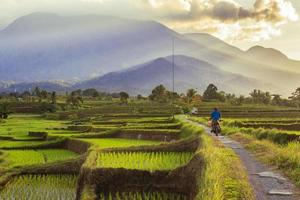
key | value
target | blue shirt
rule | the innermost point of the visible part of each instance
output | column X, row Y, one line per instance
column 216, row 115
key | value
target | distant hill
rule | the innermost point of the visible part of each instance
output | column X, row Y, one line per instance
column 189, row 73
column 49, row 86
column 43, row 47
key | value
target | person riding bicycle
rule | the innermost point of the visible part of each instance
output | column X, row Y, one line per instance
column 215, row 117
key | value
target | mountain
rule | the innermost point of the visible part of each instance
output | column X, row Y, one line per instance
column 43, row 47
column 49, row 86
column 189, row 73
column 272, row 58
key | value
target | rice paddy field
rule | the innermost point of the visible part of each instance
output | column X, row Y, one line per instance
column 143, row 161
column 104, row 143
column 132, row 152
column 37, row 187
column 18, row 158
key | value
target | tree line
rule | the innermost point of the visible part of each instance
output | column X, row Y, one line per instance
column 74, row 99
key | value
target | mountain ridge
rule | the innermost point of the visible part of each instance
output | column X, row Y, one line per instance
column 189, row 73
column 82, row 47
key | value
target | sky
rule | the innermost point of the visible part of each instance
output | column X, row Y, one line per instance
column 243, row 23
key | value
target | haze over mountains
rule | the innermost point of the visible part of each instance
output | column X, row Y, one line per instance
column 44, row 47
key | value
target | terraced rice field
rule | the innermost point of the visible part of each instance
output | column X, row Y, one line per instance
column 143, row 161
column 19, row 125
column 38, row 187
column 133, row 172
column 104, row 143
column 17, row 158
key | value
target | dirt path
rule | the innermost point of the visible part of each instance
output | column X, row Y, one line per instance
column 267, row 184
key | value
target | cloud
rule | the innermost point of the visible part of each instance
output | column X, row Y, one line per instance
column 225, row 18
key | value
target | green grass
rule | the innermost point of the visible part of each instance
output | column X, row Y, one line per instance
column 223, row 176
column 274, row 135
column 19, row 125
column 142, row 196
column 286, row 158
column 118, row 142
column 19, row 158
column 143, row 161
column 37, row 187
column 6, row 144
column 15, row 144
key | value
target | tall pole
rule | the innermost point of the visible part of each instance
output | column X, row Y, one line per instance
column 173, row 79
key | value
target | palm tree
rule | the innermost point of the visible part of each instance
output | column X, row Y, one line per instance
column 74, row 99
column 190, row 95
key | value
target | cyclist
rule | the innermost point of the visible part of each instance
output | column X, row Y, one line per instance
column 215, row 117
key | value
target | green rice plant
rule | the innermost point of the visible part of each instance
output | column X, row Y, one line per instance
column 143, row 161
column 52, row 155
column 19, row 158
column 37, row 187
column 105, row 143
column 153, row 126
column 142, row 196
column 13, row 144
column 20, row 124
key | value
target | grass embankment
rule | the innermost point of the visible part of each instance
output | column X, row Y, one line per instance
column 274, row 135
column 224, row 176
column 286, row 158
column 142, row 196
column 271, row 146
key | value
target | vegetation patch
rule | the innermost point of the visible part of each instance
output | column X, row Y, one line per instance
column 142, row 196
column 35, row 187
column 284, row 157
column 104, row 143
column 223, row 175
column 143, row 161
column 18, row 158
column 184, row 145
column 180, row 180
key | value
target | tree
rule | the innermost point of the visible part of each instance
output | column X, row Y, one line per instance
column 74, row 99
column 124, row 97
column 211, row 93
column 4, row 110
column 190, row 94
column 295, row 98
column 91, row 92
column 37, row 93
column 259, row 96
column 159, row 93
column 140, row 97
column 43, row 95
column 53, row 97
column 276, row 99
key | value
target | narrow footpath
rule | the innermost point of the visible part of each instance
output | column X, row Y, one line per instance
column 267, row 184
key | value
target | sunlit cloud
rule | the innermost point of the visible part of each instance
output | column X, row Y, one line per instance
column 225, row 18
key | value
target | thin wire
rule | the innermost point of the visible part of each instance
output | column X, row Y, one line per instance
column 173, row 78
